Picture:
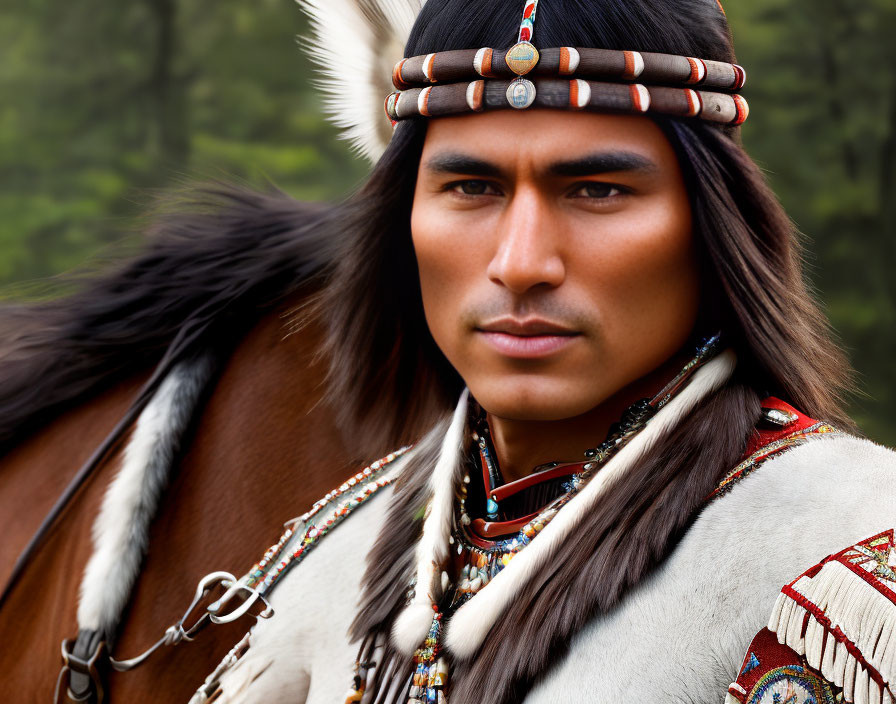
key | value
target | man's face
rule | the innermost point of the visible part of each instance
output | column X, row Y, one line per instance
column 556, row 256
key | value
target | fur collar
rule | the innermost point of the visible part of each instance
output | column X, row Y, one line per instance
column 624, row 526
column 473, row 621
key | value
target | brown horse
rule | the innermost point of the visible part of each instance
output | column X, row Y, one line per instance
column 263, row 449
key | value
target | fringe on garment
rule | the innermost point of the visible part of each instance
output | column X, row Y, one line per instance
column 845, row 626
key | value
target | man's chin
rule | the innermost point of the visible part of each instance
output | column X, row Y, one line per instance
column 530, row 398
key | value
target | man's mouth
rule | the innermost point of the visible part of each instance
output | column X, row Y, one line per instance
column 530, row 338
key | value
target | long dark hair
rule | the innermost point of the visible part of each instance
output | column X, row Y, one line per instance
column 392, row 381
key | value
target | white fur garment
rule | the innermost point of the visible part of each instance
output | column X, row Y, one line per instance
column 679, row 637
column 413, row 623
column 472, row 622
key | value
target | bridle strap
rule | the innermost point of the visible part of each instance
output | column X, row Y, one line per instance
column 86, row 659
column 80, row 679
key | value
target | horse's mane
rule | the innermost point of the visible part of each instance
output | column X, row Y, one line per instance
column 215, row 260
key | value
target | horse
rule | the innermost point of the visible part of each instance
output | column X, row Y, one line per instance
column 226, row 275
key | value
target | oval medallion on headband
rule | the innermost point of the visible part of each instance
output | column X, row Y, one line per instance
column 455, row 82
column 521, row 58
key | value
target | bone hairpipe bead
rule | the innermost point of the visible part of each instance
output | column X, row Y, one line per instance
column 680, row 102
column 720, row 75
column 406, row 104
column 601, row 63
column 411, row 71
column 451, row 66
column 665, row 68
column 448, row 100
column 719, row 107
column 743, row 110
column 593, row 95
column 443, row 67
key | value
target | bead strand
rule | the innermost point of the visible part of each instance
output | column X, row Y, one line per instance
column 361, row 486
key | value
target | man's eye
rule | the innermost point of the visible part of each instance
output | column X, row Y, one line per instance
column 473, row 188
column 596, row 190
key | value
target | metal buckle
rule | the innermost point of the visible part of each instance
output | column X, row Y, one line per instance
column 72, row 663
column 249, row 595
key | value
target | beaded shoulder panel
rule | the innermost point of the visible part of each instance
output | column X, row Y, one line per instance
column 781, row 427
column 832, row 634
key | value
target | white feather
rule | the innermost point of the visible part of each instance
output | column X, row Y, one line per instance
column 413, row 623
column 356, row 43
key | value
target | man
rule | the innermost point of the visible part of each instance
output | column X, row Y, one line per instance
column 648, row 441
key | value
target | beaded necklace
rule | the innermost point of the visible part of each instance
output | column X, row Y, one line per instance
column 477, row 561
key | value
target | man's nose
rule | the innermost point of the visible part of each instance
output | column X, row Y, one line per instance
column 527, row 245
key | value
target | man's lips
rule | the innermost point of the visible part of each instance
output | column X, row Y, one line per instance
column 526, row 339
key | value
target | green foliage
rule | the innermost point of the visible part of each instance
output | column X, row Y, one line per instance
column 104, row 103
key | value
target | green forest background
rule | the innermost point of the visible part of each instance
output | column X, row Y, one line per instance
column 103, row 103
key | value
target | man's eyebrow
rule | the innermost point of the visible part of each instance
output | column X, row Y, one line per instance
column 458, row 163
column 589, row 165
column 602, row 163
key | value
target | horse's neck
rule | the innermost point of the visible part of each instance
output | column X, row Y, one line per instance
column 262, row 447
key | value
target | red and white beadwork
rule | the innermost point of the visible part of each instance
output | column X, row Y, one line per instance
column 423, row 101
column 698, row 71
column 640, row 97
column 475, row 92
column 694, row 102
column 306, row 531
column 427, row 66
column 579, row 93
column 527, row 26
column 569, row 60
column 482, row 62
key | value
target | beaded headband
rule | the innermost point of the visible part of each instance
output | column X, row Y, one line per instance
column 456, row 82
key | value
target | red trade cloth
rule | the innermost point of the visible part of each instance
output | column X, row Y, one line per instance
column 774, row 673
column 762, row 436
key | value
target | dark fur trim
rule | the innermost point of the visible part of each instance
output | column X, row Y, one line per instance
column 636, row 525
column 390, row 564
